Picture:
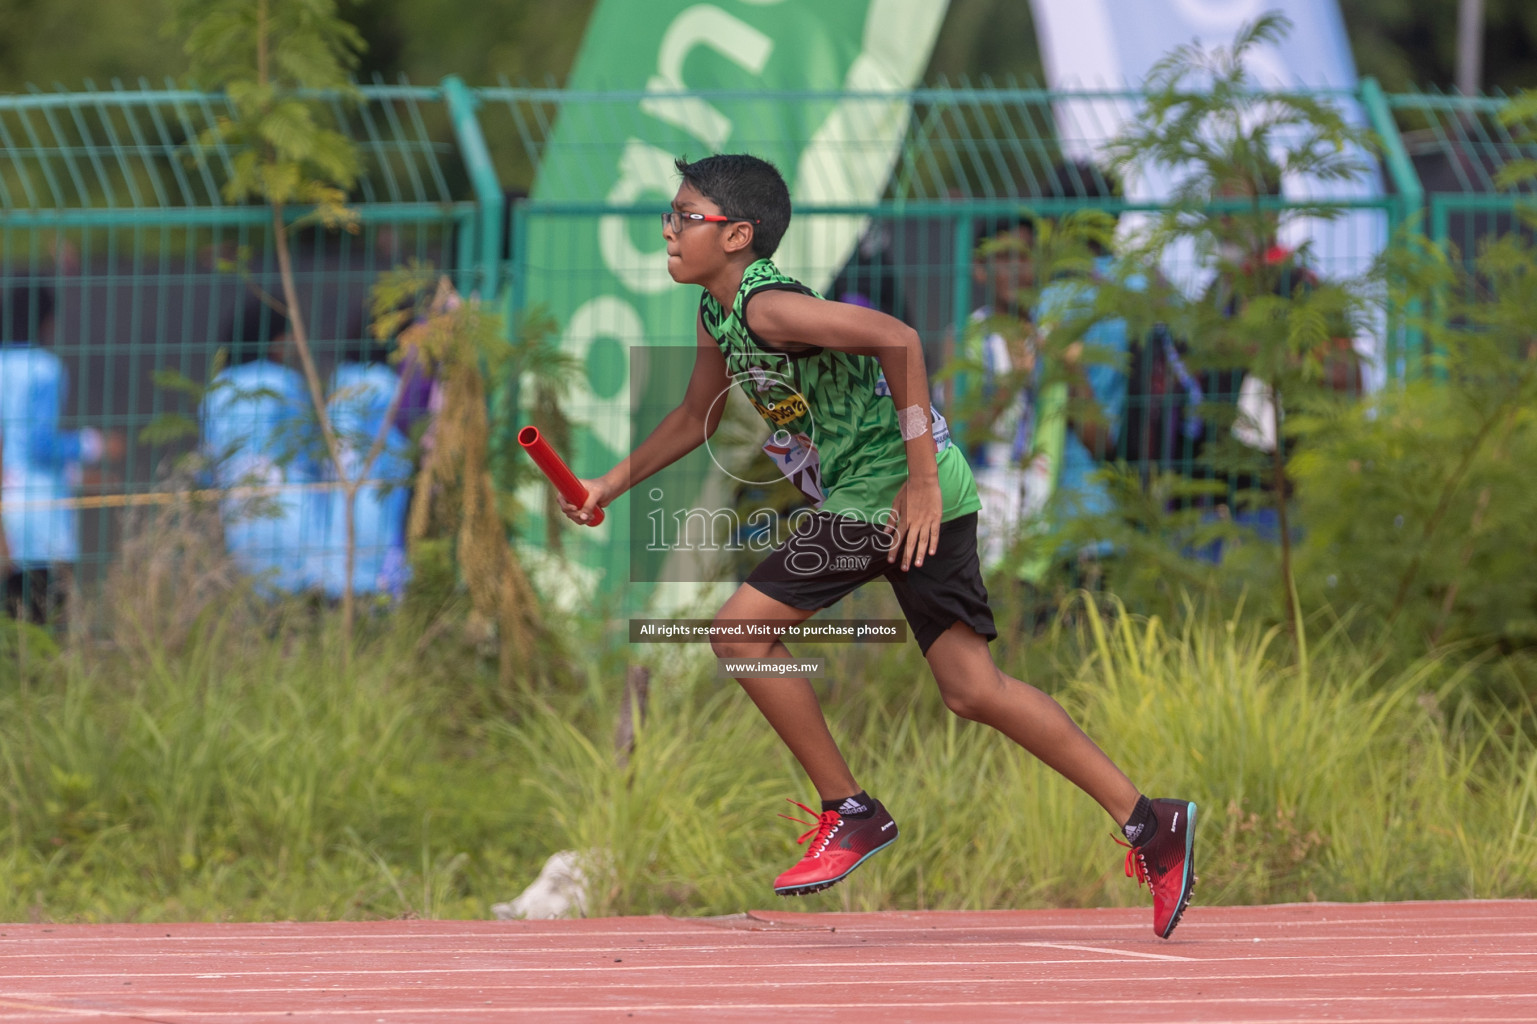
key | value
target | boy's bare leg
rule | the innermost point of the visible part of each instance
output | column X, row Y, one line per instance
column 973, row 687
column 790, row 705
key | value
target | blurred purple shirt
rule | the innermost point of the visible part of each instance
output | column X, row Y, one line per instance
column 416, row 394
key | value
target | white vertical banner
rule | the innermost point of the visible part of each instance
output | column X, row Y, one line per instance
column 1113, row 44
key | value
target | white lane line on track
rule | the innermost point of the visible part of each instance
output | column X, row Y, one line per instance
column 743, row 938
column 374, row 1015
column 513, row 930
column 631, row 984
column 1236, row 927
column 746, row 935
column 31, row 1009
column 626, row 968
column 1102, row 949
column 812, row 943
column 723, row 1006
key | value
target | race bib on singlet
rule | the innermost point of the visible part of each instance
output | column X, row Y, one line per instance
column 797, row 458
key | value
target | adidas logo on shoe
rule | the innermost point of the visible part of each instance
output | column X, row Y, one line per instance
column 837, row 845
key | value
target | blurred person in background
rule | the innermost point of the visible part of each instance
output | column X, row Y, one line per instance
column 1250, row 248
column 1013, row 459
column 1093, row 365
column 41, row 462
column 258, row 434
column 1049, row 428
column 1251, row 260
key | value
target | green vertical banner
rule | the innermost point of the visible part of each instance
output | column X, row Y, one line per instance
column 816, row 87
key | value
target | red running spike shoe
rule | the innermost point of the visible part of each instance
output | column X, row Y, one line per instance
column 838, row 846
column 1166, row 862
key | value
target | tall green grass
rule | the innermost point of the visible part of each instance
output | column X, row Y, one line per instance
column 244, row 776
column 248, row 778
column 1316, row 780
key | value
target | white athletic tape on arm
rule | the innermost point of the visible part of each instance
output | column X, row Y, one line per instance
column 914, row 421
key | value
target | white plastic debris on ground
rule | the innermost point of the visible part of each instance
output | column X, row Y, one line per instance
column 559, row 891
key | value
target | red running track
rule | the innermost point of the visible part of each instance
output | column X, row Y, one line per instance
column 1393, row 963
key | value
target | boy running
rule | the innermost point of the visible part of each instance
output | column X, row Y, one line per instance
column 894, row 499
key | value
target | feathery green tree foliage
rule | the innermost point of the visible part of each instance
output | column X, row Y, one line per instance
column 1265, row 317
column 265, row 55
column 1418, row 505
column 455, row 508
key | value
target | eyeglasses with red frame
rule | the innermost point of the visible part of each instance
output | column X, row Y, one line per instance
column 674, row 220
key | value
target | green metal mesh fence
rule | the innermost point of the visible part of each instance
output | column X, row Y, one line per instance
column 1457, row 146
column 108, row 204
column 111, row 207
column 966, row 157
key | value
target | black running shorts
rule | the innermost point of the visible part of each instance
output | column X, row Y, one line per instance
column 830, row 556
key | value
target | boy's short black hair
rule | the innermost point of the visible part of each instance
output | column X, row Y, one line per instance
column 28, row 307
column 744, row 187
column 987, row 228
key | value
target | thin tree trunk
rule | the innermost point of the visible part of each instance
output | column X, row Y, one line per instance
column 301, row 335
column 1443, row 506
column 1278, row 488
column 317, row 398
column 350, row 516
column 351, row 486
column 637, row 690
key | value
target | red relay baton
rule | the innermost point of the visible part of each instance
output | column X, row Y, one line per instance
column 556, row 469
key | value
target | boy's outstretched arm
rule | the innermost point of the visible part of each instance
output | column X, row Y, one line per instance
column 791, row 320
column 680, row 432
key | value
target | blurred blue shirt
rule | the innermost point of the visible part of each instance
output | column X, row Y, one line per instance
column 360, row 400
column 39, row 458
column 257, row 434
column 1105, row 343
